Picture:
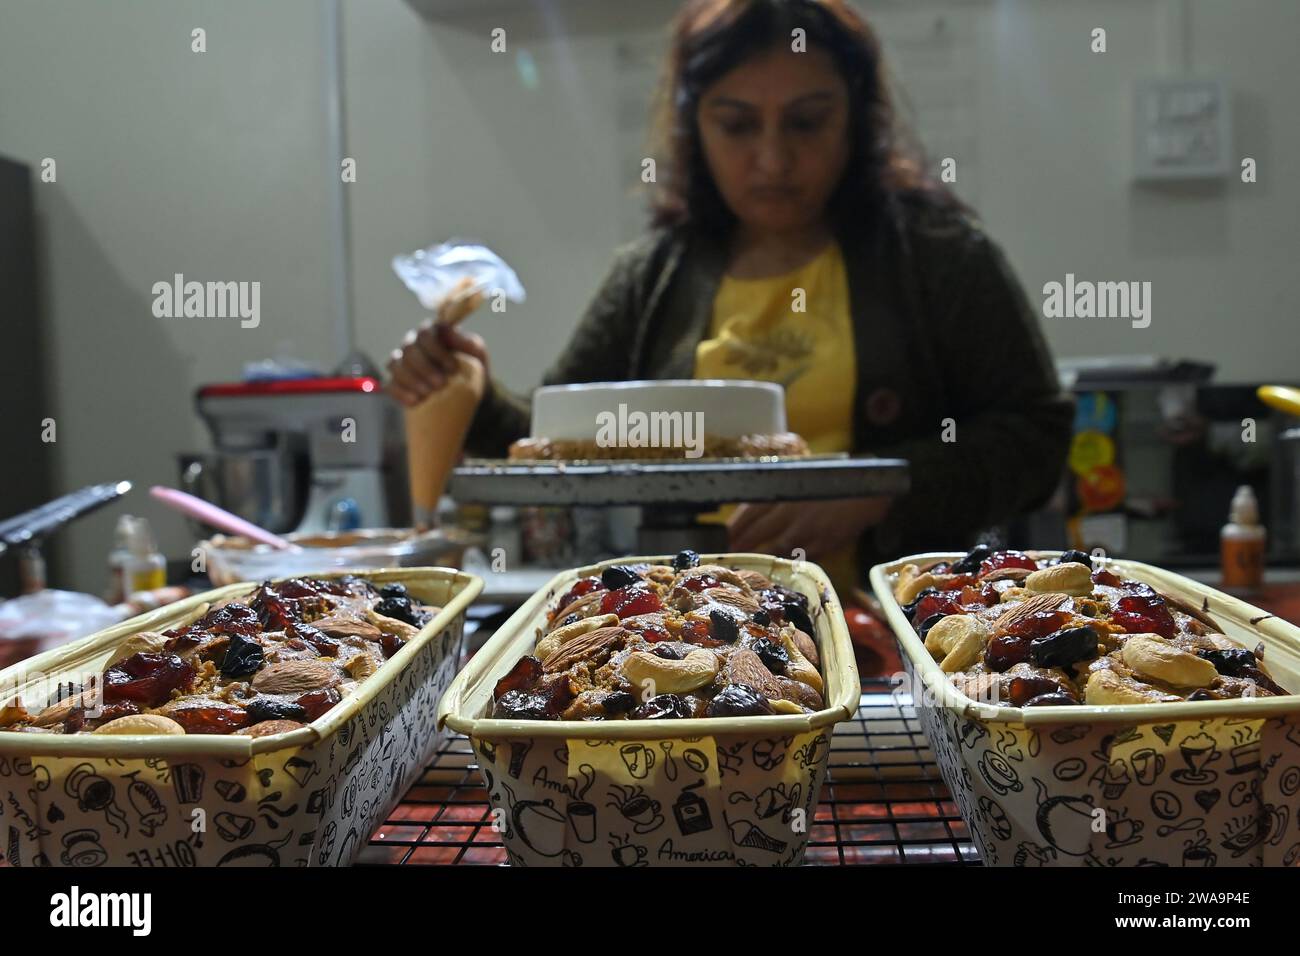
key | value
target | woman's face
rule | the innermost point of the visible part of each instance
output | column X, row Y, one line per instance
column 775, row 133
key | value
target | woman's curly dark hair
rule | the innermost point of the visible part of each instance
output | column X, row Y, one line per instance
column 711, row 37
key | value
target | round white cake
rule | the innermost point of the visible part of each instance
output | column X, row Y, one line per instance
column 729, row 409
column 659, row 419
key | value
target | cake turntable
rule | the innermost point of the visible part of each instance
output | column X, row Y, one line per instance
column 673, row 493
column 674, row 488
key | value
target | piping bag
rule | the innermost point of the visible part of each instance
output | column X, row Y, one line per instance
column 436, row 428
column 452, row 279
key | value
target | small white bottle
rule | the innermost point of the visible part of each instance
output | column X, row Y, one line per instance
column 118, row 559
column 1241, row 545
column 146, row 568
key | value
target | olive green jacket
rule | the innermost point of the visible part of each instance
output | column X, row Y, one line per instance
column 942, row 331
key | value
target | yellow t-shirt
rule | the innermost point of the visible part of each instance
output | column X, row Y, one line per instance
column 795, row 329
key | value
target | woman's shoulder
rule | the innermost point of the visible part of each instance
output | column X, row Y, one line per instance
column 641, row 263
column 655, row 243
column 939, row 251
column 936, row 222
column 944, row 245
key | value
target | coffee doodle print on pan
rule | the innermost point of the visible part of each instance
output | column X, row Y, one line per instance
column 314, row 805
column 1177, row 793
column 641, row 811
column 693, row 802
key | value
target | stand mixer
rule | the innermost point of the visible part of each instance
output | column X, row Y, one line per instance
column 330, row 441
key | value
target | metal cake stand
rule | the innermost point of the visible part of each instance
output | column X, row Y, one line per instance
column 672, row 493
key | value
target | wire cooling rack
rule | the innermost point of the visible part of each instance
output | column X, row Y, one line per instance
column 883, row 802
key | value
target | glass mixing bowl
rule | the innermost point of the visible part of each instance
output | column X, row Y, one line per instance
column 231, row 559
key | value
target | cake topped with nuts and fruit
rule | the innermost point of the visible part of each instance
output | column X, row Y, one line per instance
column 1013, row 628
column 651, row 641
column 268, row 666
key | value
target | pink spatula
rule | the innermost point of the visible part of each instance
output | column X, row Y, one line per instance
column 209, row 513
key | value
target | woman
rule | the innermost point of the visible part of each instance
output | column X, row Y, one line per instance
column 785, row 175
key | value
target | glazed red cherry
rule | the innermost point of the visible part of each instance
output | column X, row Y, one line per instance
column 1151, row 606
column 1007, row 559
column 981, row 596
column 526, row 672
column 1005, row 651
column 697, row 632
column 210, row 718
column 1132, row 623
column 581, row 587
column 1141, row 602
column 1156, row 621
column 630, row 601
column 231, row 619
column 945, row 602
column 1038, row 624
column 649, row 629
column 1107, row 578
column 699, row 582
column 299, row 588
column 316, row 702
column 325, row 646
column 147, row 679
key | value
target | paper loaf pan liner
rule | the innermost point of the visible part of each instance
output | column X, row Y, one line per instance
column 707, row 792
column 311, row 797
column 1210, row 783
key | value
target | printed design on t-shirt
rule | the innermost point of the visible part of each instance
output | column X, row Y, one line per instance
column 781, row 355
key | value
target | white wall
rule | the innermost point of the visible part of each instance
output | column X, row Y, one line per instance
column 168, row 161
column 215, row 165
column 1057, row 186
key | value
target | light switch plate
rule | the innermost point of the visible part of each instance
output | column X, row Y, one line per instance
column 1181, row 129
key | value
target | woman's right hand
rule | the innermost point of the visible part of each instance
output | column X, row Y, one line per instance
column 428, row 357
